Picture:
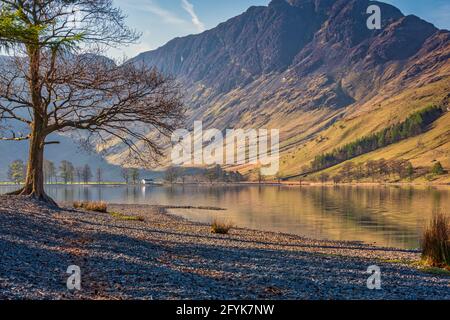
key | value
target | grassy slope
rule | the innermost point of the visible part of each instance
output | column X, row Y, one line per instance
column 272, row 101
column 365, row 119
column 422, row 150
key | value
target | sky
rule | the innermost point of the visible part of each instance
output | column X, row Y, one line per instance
column 162, row 20
column 434, row 11
column 159, row 21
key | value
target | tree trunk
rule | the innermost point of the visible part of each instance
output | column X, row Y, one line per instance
column 34, row 184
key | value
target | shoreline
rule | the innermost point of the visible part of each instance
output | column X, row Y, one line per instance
column 168, row 257
column 250, row 183
column 280, row 233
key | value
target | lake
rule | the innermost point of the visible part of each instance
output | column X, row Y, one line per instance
column 391, row 216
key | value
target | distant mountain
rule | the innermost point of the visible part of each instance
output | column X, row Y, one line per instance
column 314, row 69
column 66, row 150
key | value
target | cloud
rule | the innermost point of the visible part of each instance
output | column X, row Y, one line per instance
column 164, row 14
column 130, row 51
column 189, row 7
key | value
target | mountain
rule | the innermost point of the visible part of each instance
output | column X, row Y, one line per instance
column 66, row 150
column 313, row 69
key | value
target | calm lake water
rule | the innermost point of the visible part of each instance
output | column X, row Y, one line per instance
column 384, row 216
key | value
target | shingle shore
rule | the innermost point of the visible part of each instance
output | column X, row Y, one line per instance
column 166, row 257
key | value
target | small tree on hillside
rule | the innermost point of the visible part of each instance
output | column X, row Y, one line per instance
column 324, row 177
column 347, row 171
column 437, row 169
column 279, row 177
column 409, row 170
column 359, row 171
column 381, row 168
column 303, row 172
column 260, row 177
column 337, row 179
column 371, row 168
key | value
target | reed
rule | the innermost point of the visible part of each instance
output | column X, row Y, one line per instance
column 436, row 242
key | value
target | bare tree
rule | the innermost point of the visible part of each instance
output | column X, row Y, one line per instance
column 55, row 81
column 209, row 174
column 171, row 174
column 125, row 172
column 99, row 174
column 260, row 177
column 66, row 171
column 79, row 174
column 134, row 175
column 337, row 179
column 49, row 171
column 347, row 171
column 279, row 177
column 324, row 177
column 87, row 174
column 371, row 167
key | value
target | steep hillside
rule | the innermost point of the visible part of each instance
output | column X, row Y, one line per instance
column 314, row 70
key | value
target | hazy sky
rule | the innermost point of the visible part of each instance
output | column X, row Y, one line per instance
column 163, row 20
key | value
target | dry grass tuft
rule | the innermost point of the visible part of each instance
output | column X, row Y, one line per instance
column 124, row 217
column 219, row 227
column 436, row 242
column 96, row 206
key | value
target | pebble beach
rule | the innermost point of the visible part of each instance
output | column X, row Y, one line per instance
column 144, row 252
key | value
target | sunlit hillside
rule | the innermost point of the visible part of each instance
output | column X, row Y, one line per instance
column 324, row 80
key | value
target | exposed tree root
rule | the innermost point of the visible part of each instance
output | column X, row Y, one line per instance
column 44, row 198
column 15, row 193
